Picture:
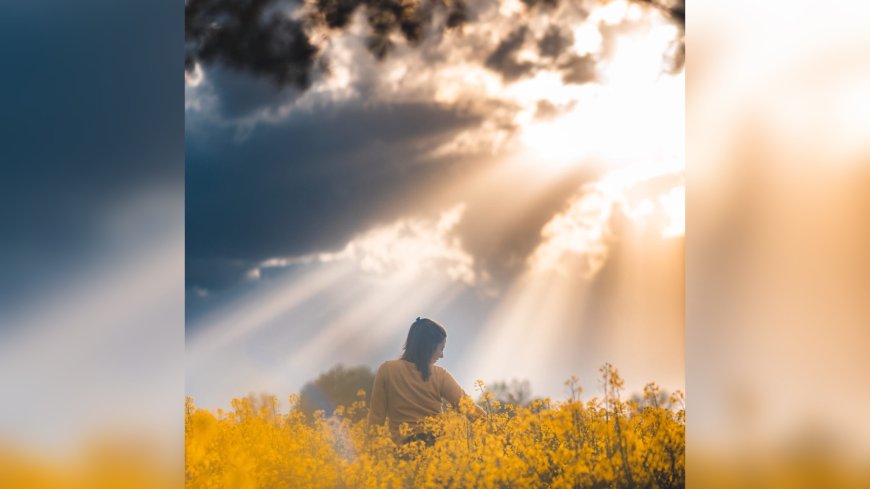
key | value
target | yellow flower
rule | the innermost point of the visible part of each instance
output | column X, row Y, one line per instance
column 598, row 443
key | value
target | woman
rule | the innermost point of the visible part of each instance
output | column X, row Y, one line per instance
column 411, row 388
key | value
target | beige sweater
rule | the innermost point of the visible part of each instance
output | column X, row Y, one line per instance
column 400, row 394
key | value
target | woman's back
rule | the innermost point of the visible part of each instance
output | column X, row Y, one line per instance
column 400, row 393
column 411, row 388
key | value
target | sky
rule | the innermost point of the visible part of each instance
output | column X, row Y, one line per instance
column 92, row 245
column 513, row 170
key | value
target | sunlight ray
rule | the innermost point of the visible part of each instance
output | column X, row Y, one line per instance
column 527, row 330
column 390, row 304
column 245, row 317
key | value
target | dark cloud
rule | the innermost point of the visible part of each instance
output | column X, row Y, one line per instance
column 554, row 42
column 578, row 69
column 458, row 14
column 502, row 251
column 261, row 37
column 387, row 16
column 504, row 58
column 412, row 19
column 546, row 4
column 308, row 183
column 337, row 13
column 675, row 10
column 676, row 57
column 251, row 35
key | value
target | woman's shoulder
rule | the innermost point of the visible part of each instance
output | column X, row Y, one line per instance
column 440, row 372
column 392, row 364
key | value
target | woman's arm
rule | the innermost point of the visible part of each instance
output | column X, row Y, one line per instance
column 451, row 390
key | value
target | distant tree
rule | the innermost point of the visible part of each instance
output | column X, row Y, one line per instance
column 504, row 397
column 337, row 387
column 653, row 396
column 264, row 405
column 516, row 392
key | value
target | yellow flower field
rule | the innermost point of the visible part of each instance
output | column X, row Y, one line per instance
column 602, row 443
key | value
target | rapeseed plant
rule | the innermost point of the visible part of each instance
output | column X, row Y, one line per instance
column 601, row 443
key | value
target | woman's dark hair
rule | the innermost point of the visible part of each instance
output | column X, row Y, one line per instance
column 423, row 338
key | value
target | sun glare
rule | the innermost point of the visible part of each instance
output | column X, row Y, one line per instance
column 558, row 143
column 631, row 114
column 674, row 204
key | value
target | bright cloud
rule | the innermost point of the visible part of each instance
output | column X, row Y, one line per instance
column 646, row 195
column 405, row 246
